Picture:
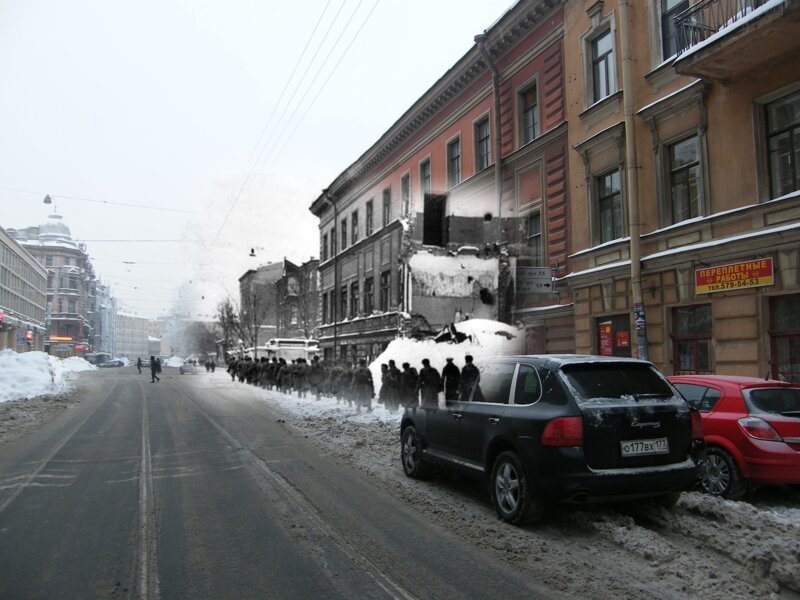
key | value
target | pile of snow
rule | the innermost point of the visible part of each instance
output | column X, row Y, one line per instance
column 126, row 362
column 173, row 361
column 486, row 338
column 32, row 374
column 76, row 364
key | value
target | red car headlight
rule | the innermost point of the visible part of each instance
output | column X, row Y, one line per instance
column 759, row 429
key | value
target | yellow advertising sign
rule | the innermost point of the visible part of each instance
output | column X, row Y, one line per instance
column 735, row 276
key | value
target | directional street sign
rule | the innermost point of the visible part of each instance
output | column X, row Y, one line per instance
column 534, row 280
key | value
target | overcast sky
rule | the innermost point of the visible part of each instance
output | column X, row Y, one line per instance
column 213, row 123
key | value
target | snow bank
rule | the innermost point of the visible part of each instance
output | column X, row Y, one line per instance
column 76, row 364
column 173, row 361
column 31, row 374
column 489, row 338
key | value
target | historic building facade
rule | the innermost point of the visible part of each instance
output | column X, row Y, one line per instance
column 297, row 300
column 685, row 184
column 70, row 279
column 132, row 337
column 23, row 297
column 460, row 209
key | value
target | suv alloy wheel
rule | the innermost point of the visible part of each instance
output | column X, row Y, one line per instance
column 411, row 454
column 512, row 496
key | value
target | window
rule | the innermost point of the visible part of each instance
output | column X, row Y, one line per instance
column 483, row 150
column 700, row 397
column 325, row 307
column 344, row 234
column 684, row 179
column 405, row 194
column 48, row 261
column 783, row 144
column 534, row 237
column 604, row 80
column 454, row 163
column 354, row 299
column 529, row 115
column 325, row 247
column 369, row 295
column 294, row 314
column 368, row 223
column 386, row 285
column 669, row 40
column 691, row 339
column 354, row 227
column 609, row 206
column 425, row 179
column 387, row 205
column 343, row 301
column 529, row 387
column 71, row 306
column 495, row 383
column 333, row 241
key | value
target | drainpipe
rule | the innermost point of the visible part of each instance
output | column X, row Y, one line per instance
column 632, row 182
column 330, row 199
column 480, row 40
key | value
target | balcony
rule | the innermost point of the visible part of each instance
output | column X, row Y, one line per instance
column 725, row 39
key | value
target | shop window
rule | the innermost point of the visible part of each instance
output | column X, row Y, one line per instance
column 785, row 338
column 691, row 339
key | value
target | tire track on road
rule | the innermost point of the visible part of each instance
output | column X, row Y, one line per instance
column 299, row 503
column 147, row 563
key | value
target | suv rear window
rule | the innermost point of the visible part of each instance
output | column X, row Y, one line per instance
column 616, row 381
column 782, row 401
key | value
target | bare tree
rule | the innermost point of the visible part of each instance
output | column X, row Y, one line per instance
column 230, row 324
column 258, row 309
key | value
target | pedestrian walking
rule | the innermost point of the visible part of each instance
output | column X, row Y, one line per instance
column 362, row 385
column 155, row 369
column 408, row 385
column 429, row 384
column 450, row 379
column 393, row 392
column 470, row 376
column 139, row 364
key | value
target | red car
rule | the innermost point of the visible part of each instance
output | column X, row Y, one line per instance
column 752, row 430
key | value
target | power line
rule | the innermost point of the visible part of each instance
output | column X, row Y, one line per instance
column 109, row 202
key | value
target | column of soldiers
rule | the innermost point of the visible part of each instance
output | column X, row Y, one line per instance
column 353, row 384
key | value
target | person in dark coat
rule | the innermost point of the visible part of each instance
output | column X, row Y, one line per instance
column 384, row 388
column 450, row 379
column 393, row 381
column 316, row 376
column 429, row 384
column 155, row 369
column 139, row 364
column 363, row 388
column 408, row 385
column 470, row 376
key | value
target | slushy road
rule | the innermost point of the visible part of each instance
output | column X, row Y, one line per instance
column 193, row 488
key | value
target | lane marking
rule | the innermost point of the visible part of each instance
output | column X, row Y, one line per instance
column 147, row 563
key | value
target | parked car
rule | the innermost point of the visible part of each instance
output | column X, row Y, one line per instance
column 111, row 363
column 191, row 366
column 544, row 429
column 752, row 430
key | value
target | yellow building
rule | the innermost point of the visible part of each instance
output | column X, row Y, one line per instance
column 684, row 128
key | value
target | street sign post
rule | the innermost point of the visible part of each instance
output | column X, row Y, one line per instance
column 534, row 280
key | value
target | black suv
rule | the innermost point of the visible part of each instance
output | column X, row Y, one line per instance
column 561, row 429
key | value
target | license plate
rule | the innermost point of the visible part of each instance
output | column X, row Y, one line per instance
column 644, row 447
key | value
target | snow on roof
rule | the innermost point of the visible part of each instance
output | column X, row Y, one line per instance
column 453, row 276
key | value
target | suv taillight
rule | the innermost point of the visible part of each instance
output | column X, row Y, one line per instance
column 564, row 431
column 759, row 429
column 697, row 425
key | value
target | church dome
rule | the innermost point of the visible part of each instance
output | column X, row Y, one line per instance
column 54, row 229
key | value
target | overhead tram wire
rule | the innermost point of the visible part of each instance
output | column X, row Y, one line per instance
column 252, row 152
column 320, row 90
column 109, row 202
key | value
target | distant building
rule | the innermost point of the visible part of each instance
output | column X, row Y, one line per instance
column 70, row 278
column 23, row 297
column 132, row 335
column 259, row 302
column 102, row 317
column 298, row 299
column 154, row 345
